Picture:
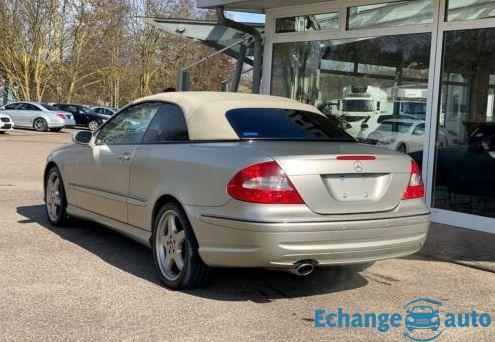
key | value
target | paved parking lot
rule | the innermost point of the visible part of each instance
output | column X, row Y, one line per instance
column 88, row 283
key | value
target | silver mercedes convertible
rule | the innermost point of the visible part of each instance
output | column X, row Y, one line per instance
column 235, row 180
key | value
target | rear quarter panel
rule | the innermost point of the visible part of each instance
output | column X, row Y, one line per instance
column 195, row 174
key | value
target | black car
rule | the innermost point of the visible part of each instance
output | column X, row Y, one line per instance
column 482, row 138
column 83, row 115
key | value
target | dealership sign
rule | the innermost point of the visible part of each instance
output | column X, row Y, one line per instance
column 422, row 319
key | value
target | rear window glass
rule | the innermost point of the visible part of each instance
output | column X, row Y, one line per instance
column 285, row 124
column 49, row 107
column 358, row 105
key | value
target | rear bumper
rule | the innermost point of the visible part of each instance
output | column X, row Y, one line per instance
column 227, row 242
column 56, row 124
column 70, row 122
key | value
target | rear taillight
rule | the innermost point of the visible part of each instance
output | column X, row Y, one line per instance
column 61, row 116
column 263, row 183
column 415, row 188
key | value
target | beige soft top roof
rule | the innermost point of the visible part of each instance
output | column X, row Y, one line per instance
column 205, row 111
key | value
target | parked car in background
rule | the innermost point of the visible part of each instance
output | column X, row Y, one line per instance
column 105, row 111
column 83, row 115
column 403, row 135
column 6, row 123
column 371, row 123
column 238, row 180
column 39, row 116
column 406, row 135
column 482, row 134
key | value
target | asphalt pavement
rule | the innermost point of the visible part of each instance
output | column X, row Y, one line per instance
column 87, row 283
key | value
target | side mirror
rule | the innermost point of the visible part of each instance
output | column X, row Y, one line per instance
column 82, row 137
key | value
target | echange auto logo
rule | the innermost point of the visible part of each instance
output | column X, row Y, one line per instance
column 422, row 319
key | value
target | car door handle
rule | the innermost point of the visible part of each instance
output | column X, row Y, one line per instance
column 125, row 157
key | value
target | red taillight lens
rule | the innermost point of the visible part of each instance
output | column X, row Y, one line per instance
column 61, row 116
column 263, row 183
column 415, row 188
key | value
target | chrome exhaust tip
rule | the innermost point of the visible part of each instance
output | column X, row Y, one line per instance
column 302, row 268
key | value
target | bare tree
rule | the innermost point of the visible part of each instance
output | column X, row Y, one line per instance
column 98, row 51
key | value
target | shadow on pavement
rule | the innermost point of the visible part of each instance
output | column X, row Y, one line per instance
column 257, row 285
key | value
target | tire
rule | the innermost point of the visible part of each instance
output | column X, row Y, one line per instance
column 175, row 250
column 402, row 148
column 55, row 129
column 93, row 125
column 2, row 132
column 40, row 125
column 55, row 204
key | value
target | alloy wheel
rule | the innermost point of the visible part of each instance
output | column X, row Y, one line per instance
column 40, row 125
column 93, row 125
column 53, row 199
column 170, row 245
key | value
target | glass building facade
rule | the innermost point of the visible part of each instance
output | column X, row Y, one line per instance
column 412, row 76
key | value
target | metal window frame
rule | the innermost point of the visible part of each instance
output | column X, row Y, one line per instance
column 436, row 28
column 464, row 220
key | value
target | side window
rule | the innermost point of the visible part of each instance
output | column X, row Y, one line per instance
column 168, row 124
column 12, row 106
column 129, row 126
column 28, row 106
column 419, row 130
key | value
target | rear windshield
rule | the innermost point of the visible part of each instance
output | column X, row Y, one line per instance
column 49, row 107
column 285, row 124
column 357, row 105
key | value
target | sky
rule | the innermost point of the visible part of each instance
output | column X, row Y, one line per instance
column 247, row 17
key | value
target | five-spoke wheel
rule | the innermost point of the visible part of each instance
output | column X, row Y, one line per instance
column 55, row 199
column 175, row 249
column 170, row 245
column 40, row 125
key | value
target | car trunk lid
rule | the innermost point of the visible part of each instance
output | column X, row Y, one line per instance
column 342, row 178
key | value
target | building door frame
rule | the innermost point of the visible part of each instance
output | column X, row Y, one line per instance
column 449, row 217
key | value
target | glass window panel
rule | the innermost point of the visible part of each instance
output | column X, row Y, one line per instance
column 390, row 14
column 363, row 83
column 470, row 9
column 129, row 126
column 168, row 124
column 285, row 124
column 464, row 175
column 313, row 22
